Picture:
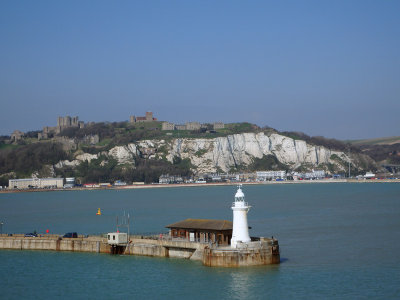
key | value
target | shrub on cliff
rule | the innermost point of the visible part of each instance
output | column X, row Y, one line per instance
column 267, row 162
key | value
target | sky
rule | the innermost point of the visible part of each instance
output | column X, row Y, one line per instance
column 326, row 68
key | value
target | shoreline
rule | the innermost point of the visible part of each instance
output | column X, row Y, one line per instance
column 150, row 186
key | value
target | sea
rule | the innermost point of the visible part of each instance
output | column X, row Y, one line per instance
column 337, row 241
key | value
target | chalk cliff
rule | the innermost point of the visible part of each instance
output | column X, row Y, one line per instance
column 227, row 153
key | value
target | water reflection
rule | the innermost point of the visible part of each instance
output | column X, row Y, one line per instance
column 240, row 284
column 244, row 283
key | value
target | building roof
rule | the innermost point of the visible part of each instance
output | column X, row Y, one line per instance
column 202, row 224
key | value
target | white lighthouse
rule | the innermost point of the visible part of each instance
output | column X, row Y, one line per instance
column 240, row 232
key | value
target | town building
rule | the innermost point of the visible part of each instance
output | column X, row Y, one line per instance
column 215, row 177
column 247, row 177
column 167, row 126
column 218, row 125
column 269, row 175
column 91, row 185
column 202, row 230
column 119, row 183
column 69, row 182
column 369, row 175
column 315, row 174
column 193, row 126
column 38, row 183
column 180, row 127
column 167, row 179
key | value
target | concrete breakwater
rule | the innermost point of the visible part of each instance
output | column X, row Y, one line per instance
column 265, row 251
column 54, row 243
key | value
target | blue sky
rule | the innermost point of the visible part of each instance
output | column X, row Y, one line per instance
column 328, row 68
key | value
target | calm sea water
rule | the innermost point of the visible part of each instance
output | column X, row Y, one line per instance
column 338, row 241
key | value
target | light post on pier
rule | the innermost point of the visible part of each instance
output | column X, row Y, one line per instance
column 125, row 222
column 1, row 227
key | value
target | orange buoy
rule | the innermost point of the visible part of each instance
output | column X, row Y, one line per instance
column 98, row 212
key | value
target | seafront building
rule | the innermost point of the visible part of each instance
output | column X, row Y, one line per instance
column 39, row 183
column 314, row 174
column 225, row 177
column 167, row 179
column 269, row 175
column 69, row 182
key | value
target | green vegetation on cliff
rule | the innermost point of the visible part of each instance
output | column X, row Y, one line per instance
column 332, row 144
column 23, row 160
column 105, row 169
column 389, row 154
column 26, row 159
column 267, row 162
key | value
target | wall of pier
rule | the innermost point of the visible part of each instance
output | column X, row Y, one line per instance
column 256, row 253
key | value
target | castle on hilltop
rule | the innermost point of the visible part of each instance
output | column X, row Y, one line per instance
column 65, row 122
column 171, row 126
column 62, row 123
column 73, row 122
column 148, row 118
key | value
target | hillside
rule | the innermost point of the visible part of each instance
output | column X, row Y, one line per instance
column 377, row 141
column 120, row 151
column 385, row 151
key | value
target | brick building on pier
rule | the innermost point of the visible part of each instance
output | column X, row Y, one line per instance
column 202, row 230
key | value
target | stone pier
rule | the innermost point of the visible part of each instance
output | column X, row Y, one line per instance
column 265, row 251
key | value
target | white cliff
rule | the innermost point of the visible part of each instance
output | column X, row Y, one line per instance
column 78, row 159
column 225, row 153
column 124, row 154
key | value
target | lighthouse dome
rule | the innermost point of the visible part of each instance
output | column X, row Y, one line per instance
column 239, row 193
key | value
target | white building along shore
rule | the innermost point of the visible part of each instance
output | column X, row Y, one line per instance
column 266, row 175
column 39, row 183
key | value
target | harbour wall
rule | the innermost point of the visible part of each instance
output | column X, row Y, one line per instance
column 91, row 244
column 265, row 251
column 96, row 244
